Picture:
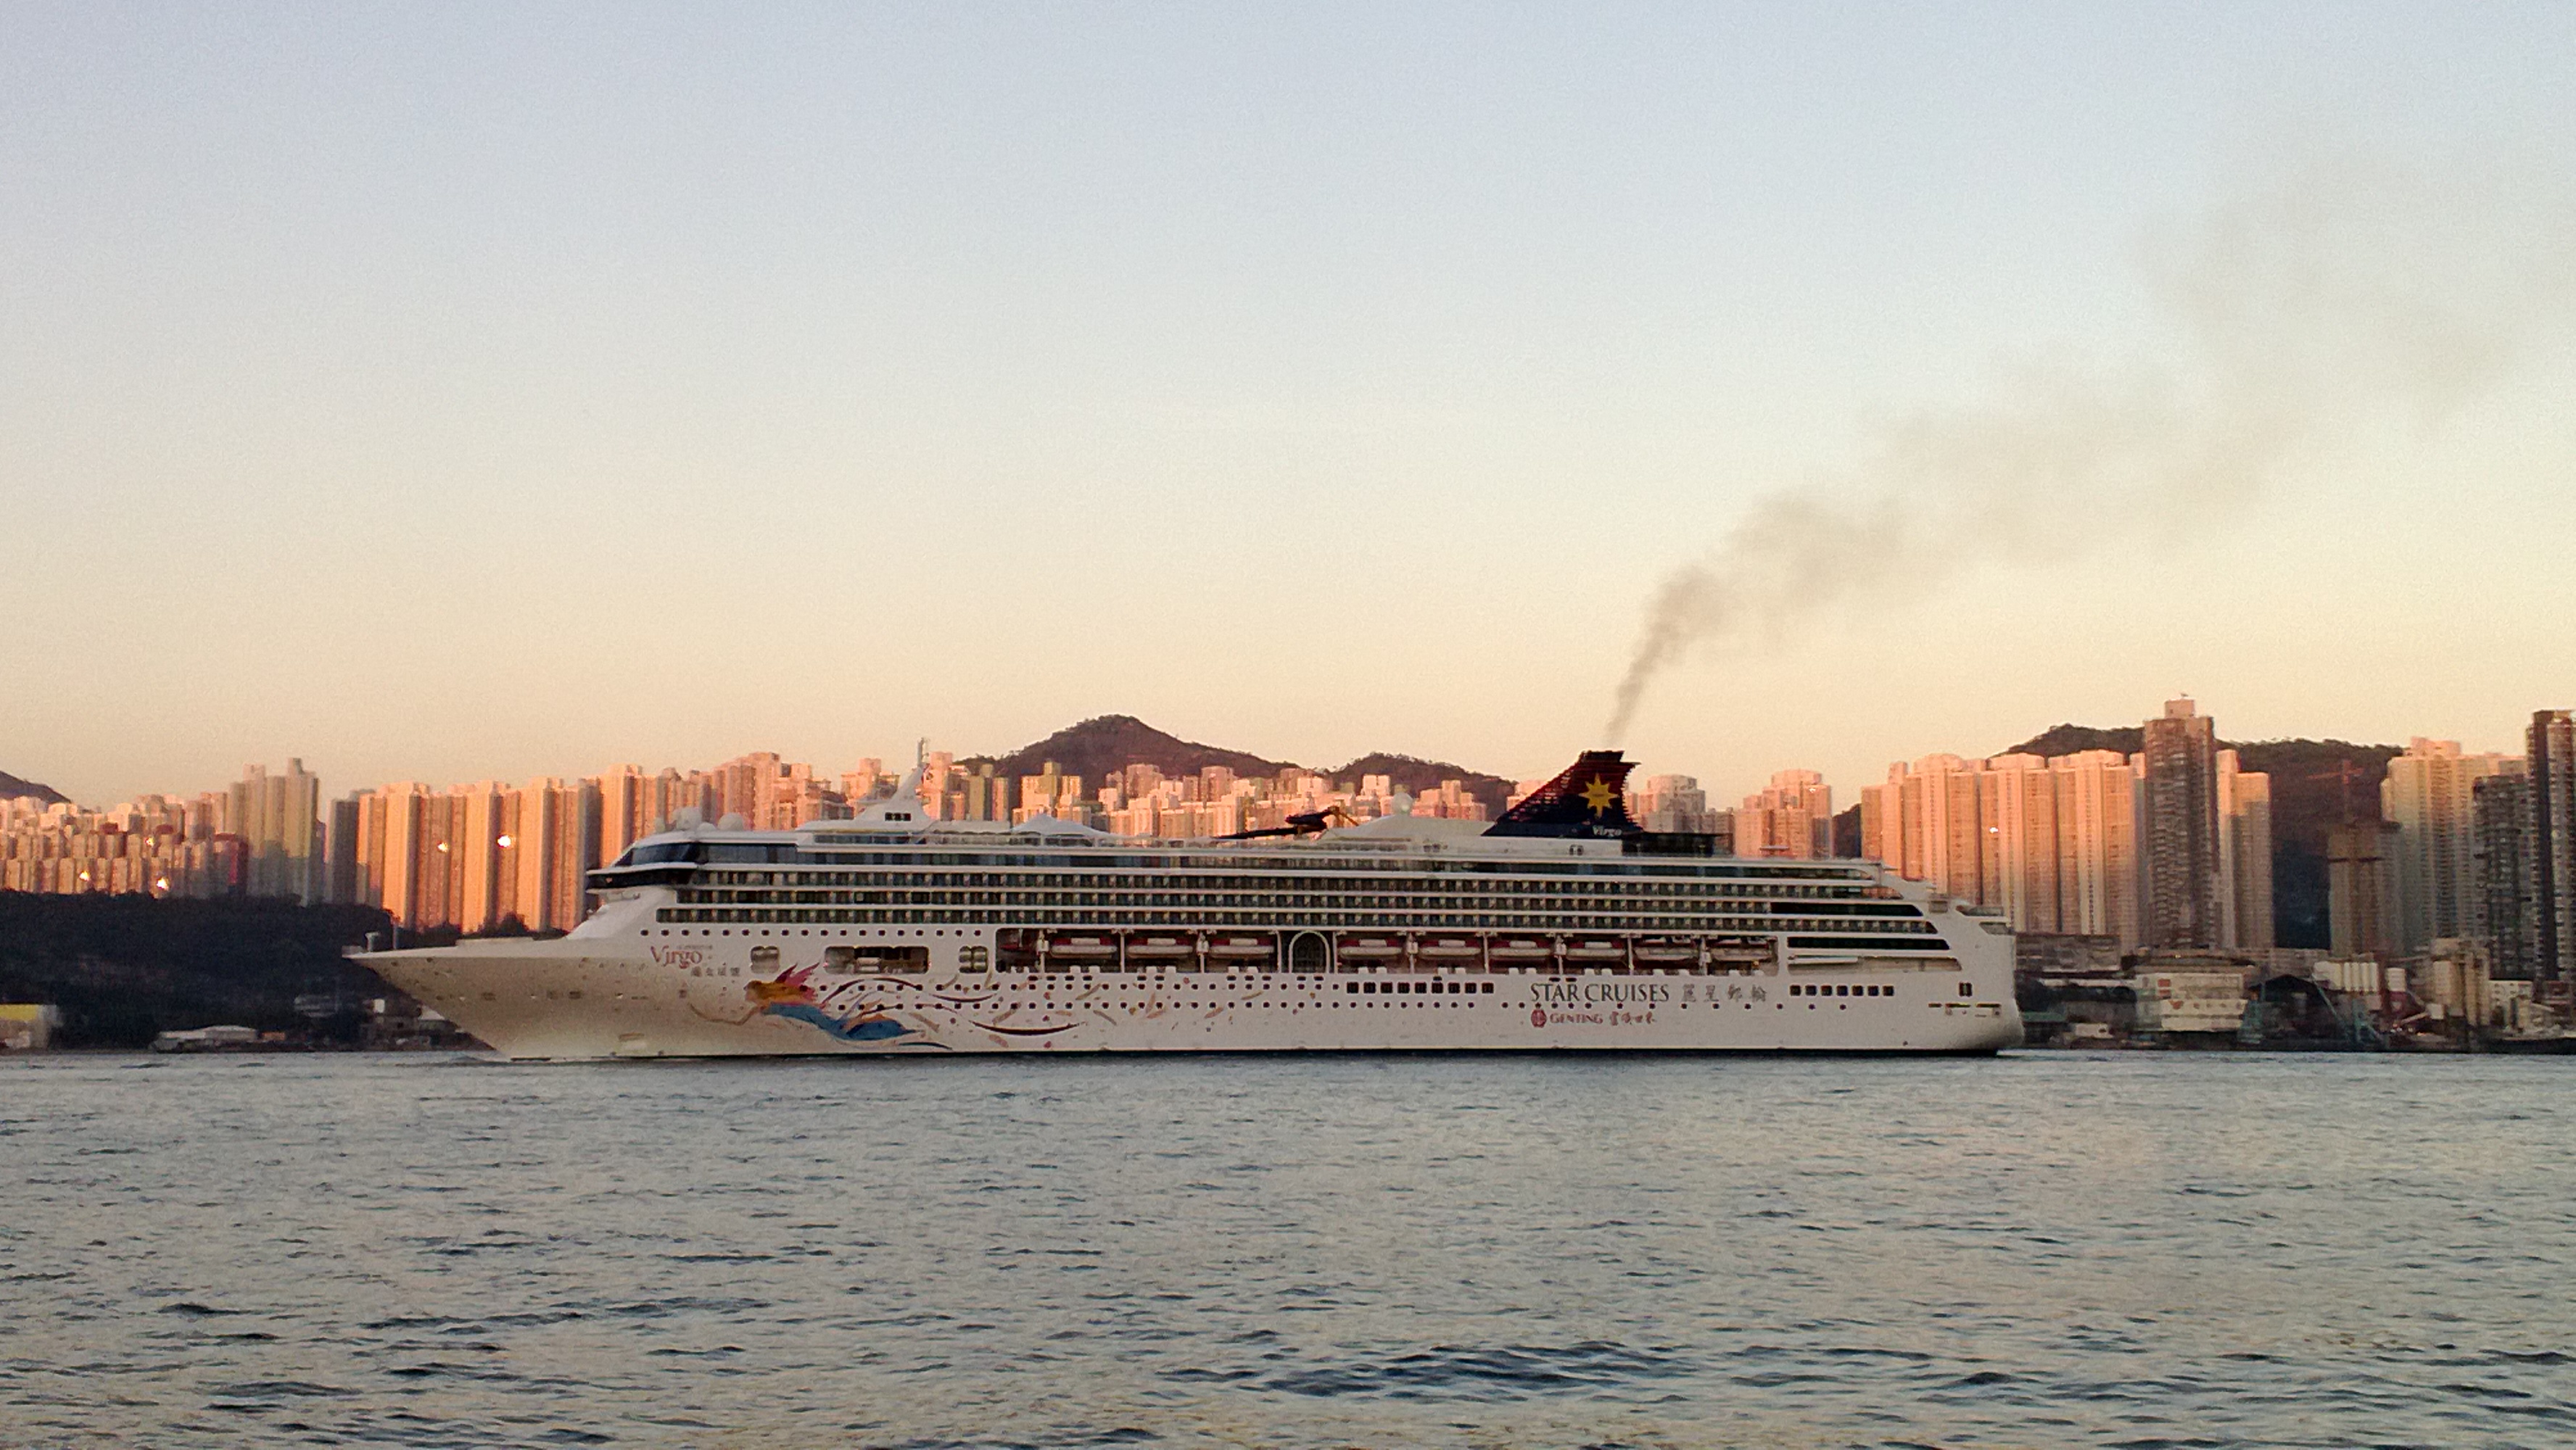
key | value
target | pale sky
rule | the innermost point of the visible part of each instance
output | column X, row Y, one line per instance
column 452, row 392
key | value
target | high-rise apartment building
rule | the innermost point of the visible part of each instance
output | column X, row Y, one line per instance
column 397, row 834
column 936, row 768
column 2502, row 821
column 487, row 863
column 2550, row 750
column 1882, row 822
column 2017, row 858
column 278, row 818
column 2058, row 844
column 341, row 881
column 1931, row 831
column 2244, row 856
column 1050, row 792
column 1793, row 817
column 2429, row 796
column 2178, row 828
column 625, row 809
column 2097, row 846
column 1672, row 803
column 672, row 798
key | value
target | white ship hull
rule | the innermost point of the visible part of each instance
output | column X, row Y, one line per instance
column 577, row 998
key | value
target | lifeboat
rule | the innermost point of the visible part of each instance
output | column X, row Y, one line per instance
column 1081, row 948
column 1159, row 948
column 1665, row 951
column 1596, row 949
column 1368, row 948
column 1239, row 948
column 1449, row 949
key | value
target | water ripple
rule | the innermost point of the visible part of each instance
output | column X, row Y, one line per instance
column 1283, row 1254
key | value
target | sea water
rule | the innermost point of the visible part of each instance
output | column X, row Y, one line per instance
column 1321, row 1250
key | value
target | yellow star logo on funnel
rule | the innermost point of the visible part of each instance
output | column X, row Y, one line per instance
column 1598, row 795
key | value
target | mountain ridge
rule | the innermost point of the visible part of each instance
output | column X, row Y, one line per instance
column 13, row 787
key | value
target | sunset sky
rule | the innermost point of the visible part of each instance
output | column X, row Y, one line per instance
column 451, row 392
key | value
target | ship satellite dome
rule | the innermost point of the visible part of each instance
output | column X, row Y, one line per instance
column 733, row 821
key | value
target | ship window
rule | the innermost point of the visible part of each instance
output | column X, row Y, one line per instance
column 1967, row 989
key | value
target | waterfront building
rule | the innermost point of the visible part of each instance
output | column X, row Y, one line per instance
column 28, row 1026
column 2454, row 980
column 2178, row 828
column 2062, row 845
column 2550, row 749
column 2017, row 861
column 2244, row 856
column 278, row 818
column 340, row 880
column 2097, row 866
column 2429, row 796
column 2361, row 895
column 2501, row 820
column 2190, row 994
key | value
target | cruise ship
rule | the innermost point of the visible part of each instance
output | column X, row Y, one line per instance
column 1561, row 925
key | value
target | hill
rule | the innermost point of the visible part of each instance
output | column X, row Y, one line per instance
column 1105, row 744
column 2068, row 739
column 124, row 968
column 11, row 786
column 1416, row 776
column 2315, row 785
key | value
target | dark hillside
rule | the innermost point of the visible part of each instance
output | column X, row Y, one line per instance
column 11, row 786
column 124, row 968
column 1415, row 776
column 1107, row 743
column 2068, row 739
column 2314, row 784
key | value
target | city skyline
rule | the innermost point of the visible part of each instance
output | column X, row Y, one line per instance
column 443, row 399
column 2455, row 874
column 1747, row 780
